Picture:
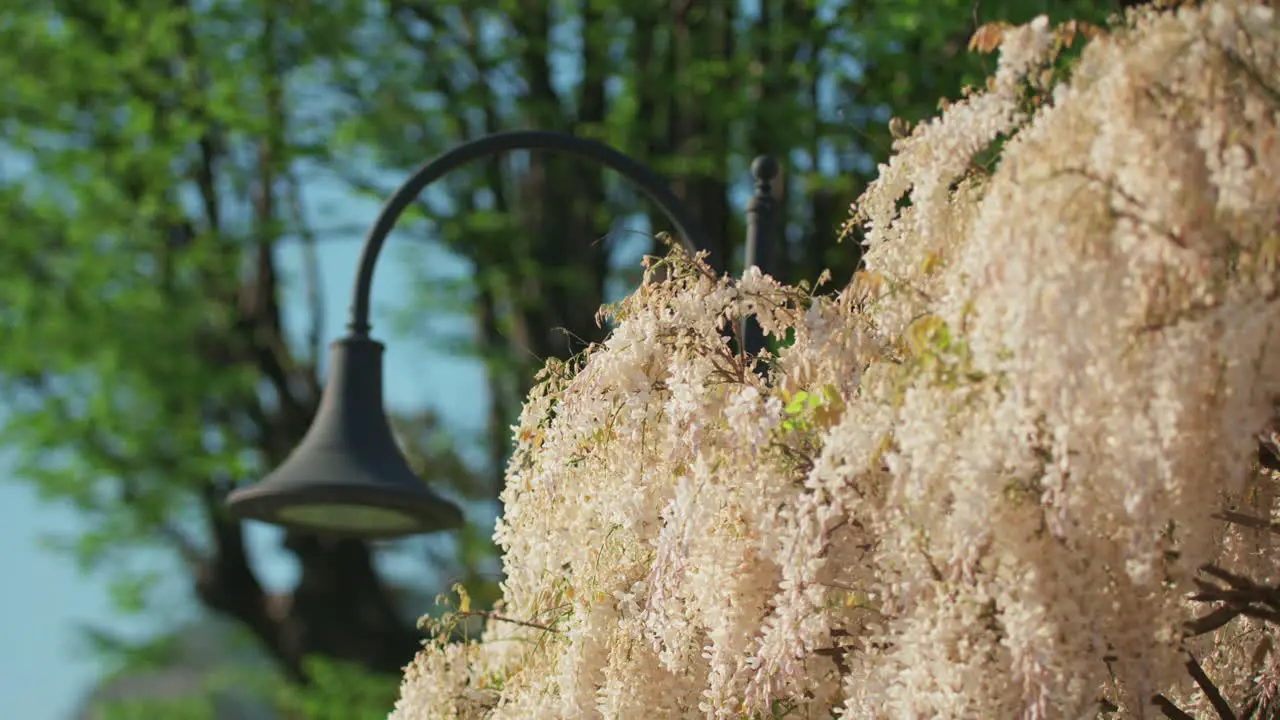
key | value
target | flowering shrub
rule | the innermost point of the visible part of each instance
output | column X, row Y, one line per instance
column 982, row 479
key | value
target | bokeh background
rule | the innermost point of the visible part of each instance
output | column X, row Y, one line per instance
column 184, row 185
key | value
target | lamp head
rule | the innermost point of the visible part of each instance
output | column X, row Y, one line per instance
column 348, row 476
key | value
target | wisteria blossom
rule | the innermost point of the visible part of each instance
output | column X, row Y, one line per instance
column 981, row 480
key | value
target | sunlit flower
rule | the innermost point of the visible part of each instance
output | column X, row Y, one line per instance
column 979, row 480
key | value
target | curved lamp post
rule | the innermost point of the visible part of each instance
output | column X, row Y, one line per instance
column 348, row 476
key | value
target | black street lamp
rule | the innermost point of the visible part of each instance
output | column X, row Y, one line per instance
column 348, row 476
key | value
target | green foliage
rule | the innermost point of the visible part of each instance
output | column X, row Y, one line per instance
column 184, row 708
column 128, row 655
column 336, row 690
column 806, row 411
column 106, row 404
column 339, row 691
column 199, row 671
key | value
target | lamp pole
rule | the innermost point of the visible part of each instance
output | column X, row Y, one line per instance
column 348, row 477
column 761, row 220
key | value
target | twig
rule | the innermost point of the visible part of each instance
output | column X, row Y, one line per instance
column 1241, row 596
column 502, row 618
column 1171, row 711
column 1209, row 689
column 1248, row 521
column 1212, row 621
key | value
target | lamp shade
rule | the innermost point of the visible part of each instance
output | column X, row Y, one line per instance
column 348, row 476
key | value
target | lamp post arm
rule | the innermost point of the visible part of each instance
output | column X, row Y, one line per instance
column 642, row 177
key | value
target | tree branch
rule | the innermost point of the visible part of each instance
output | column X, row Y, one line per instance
column 503, row 618
column 227, row 584
column 314, row 283
column 1171, row 711
column 1209, row 689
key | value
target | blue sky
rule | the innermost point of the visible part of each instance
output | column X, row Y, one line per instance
column 44, row 667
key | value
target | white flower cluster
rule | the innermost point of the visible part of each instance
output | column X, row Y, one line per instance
column 979, row 481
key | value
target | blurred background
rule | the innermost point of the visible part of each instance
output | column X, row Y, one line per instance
column 184, row 185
